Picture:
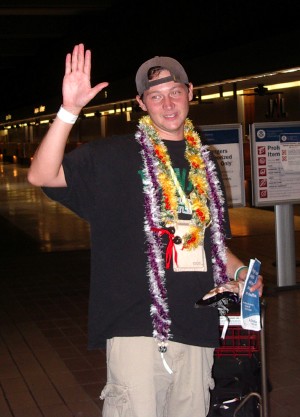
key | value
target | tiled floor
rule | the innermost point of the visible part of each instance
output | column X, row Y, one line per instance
column 45, row 368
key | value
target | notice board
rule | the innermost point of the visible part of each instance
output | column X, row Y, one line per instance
column 226, row 143
column 275, row 163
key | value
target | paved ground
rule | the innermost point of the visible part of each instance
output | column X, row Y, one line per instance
column 45, row 368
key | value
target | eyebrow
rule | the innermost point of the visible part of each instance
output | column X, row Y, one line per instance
column 159, row 91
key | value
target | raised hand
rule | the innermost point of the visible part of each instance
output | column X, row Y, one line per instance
column 76, row 89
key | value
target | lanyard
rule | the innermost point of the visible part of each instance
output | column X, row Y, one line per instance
column 182, row 195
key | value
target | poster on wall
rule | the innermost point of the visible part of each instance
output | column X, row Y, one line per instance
column 275, row 160
column 226, row 143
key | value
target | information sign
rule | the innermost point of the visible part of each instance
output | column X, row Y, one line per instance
column 226, row 143
column 275, row 158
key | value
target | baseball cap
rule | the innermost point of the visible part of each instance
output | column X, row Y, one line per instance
column 177, row 73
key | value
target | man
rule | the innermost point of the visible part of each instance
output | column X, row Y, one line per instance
column 158, row 223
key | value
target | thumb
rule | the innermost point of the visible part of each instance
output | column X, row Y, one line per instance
column 97, row 88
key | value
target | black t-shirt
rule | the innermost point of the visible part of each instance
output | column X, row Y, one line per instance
column 104, row 179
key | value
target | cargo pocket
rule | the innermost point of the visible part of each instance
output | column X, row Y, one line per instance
column 116, row 401
column 211, row 382
column 209, row 386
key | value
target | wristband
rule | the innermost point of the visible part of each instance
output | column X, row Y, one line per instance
column 66, row 116
column 238, row 270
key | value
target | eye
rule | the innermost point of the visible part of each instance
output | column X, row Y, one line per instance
column 156, row 97
column 176, row 93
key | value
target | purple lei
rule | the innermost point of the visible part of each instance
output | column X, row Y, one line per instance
column 159, row 309
column 217, row 215
column 155, row 269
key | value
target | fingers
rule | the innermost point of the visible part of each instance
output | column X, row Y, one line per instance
column 74, row 59
column 80, row 57
column 258, row 286
column 78, row 60
column 87, row 62
column 68, row 64
column 99, row 87
column 76, row 83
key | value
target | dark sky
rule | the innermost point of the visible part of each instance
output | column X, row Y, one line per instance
column 215, row 40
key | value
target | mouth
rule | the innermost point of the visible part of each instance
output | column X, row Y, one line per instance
column 170, row 116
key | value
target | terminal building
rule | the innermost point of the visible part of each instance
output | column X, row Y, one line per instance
column 259, row 98
column 268, row 97
column 45, row 264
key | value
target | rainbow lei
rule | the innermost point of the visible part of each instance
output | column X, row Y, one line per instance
column 157, row 180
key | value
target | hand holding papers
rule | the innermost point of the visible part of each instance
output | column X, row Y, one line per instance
column 250, row 307
column 237, row 292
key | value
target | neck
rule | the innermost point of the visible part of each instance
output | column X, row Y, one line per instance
column 171, row 135
column 173, row 139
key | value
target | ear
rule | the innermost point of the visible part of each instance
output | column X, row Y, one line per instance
column 191, row 89
column 141, row 103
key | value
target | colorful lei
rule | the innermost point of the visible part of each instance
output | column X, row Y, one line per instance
column 161, row 204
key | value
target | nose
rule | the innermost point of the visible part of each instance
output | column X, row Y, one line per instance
column 168, row 102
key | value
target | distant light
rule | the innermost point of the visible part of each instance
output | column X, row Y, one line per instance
column 283, row 85
column 290, row 70
column 217, row 95
column 105, row 113
column 39, row 109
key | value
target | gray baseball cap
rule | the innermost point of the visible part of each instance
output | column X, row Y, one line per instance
column 176, row 70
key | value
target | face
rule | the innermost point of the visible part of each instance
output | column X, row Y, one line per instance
column 167, row 104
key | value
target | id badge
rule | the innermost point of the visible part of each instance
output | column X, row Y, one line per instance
column 188, row 260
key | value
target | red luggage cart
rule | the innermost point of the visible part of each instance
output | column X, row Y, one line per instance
column 240, row 342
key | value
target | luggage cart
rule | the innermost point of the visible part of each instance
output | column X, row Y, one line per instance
column 240, row 342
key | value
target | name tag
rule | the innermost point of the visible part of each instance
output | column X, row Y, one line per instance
column 187, row 260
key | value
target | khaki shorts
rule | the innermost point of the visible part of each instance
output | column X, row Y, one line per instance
column 139, row 385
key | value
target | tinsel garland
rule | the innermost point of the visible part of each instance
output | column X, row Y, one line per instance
column 218, row 247
column 159, row 309
column 171, row 189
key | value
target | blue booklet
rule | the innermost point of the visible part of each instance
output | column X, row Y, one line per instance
column 250, row 305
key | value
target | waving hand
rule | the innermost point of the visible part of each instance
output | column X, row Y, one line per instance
column 76, row 89
column 46, row 168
